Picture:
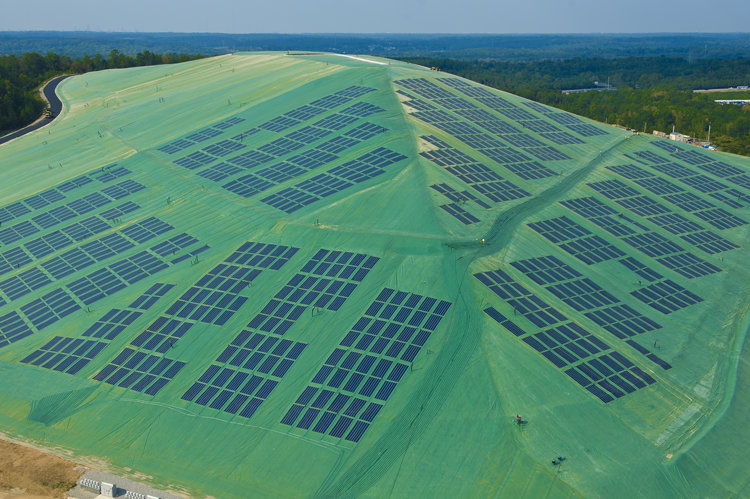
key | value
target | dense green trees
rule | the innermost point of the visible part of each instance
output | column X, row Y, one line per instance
column 635, row 72
column 655, row 93
column 21, row 76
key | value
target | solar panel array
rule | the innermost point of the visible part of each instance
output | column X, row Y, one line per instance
column 457, row 208
column 468, row 170
column 68, row 211
column 688, row 176
column 666, row 296
column 219, row 300
column 295, row 166
column 70, row 355
column 246, row 372
column 584, row 295
column 649, row 355
column 577, row 240
column 139, row 371
column 687, row 201
column 76, row 259
column 562, row 342
column 490, row 146
column 650, row 243
column 200, row 136
column 357, row 379
column 66, row 355
column 516, row 113
column 112, row 324
column 258, row 354
column 50, row 196
column 336, row 179
column 62, row 301
column 291, row 141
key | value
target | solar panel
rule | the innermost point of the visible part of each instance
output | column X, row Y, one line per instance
column 460, row 213
column 559, row 229
column 688, row 265
column 369, row 362
column 666, row 296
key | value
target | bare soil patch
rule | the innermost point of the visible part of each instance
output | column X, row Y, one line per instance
column 31, row 474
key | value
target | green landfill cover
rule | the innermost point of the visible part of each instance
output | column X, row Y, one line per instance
column 319, row 275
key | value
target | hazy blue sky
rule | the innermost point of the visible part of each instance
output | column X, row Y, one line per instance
column 381, row 16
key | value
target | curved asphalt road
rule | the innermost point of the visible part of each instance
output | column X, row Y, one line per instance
column 55, row 105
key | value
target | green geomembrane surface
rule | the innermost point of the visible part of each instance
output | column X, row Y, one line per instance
column 268, row 275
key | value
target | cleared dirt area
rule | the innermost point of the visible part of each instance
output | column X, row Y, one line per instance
column 30, row 474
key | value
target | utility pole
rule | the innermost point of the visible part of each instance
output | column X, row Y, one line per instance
column 644, row 127
column 709, row 133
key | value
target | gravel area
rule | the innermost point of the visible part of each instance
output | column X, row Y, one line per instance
column 123, row 485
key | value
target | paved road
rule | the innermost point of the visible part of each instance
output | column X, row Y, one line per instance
column 55, row 105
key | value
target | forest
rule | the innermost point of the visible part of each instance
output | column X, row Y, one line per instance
column 653, row 93
column 20, row 78
column 467, row 47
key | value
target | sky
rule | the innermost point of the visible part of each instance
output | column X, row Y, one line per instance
column 377, row 16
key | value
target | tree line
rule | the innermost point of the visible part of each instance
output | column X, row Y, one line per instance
column 21, row 76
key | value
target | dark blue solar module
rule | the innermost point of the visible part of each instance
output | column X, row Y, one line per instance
column 480, row 177
column 151, row 296
column 24, row 283
column 172, row 245
column 504, row 321
column 50, row 308
column 325, row 281
column 458, row 197
column 219, row 172
column 337, row 179
column 13, row 328
column 12, row 259
column 203, row 135
column 245, row 373
column 460, row 213
column 195, row 160
column 262, row 255
column 147, row 229
column 112, row 324
column 37, row 201
column 688, row 265
column 330, row 101
column 568, row 343
column 107, row 174
column 176, row 146
column 278, row 124
column 521, row 299
column 353, row 92
column 361, row 110
column 367, row 366
column 222, row 148
column 17, row 232
column 546, row 270
column 140, row 372
column 653, row 244
column 425, row 88
column 640, row 269
column 122, row 189
column 66, row 355
column 559, row 229
column 622, row 321
column 119, row 211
